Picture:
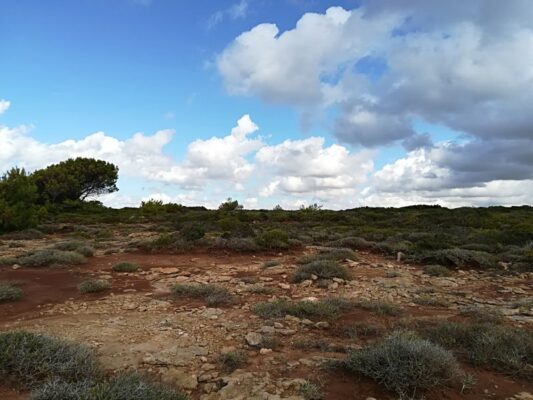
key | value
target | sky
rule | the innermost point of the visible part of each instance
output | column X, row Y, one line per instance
column 276, row 102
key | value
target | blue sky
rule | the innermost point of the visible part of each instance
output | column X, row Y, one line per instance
column 72, row 68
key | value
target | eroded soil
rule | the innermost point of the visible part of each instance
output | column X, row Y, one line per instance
column 138, row 324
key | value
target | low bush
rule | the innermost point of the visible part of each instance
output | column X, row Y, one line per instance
column 431, row 301
column 405, row 364
column 212, row 294
column 245, row 245
column 503, row 349
column 28, row 358
column 359, row 329
column 78, row 247
column 50, row 257
column 327, row 308
column 310, row 391
column 323, row 269
column 124, row 386
column 274, row 239
column 437, row 270
column 483, row 315
column 192, row 232
column 26, row 234
column 353, row 242
column 126, row 267
column 258, row 289
column 457, row 258
column 381, row 307
column 9, row 292
column 332, row 254
column 232, row 360
column 93, row 286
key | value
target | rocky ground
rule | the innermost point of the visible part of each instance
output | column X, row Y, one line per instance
column 138, row 324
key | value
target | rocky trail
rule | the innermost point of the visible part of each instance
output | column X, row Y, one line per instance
column 138, row 324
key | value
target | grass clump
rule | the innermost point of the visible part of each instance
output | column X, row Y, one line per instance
column 270, row 264
column 359, row 329
column 332, row 254
column 259, row 289
column 28, row 358
column 323, row 269
column 483, row 315
column 327, row 308
column 431, row 301
column 78, row 247
column 381, row 307
column 405, row 364
column 212, row 294
column 503, row 349
column 93, row 286
column 232, row 360
column 437, row 270
column 9, row 292
column 310, row 391
column 50, row 257
column 126, row 267
column 124, row 386
column 274, row 239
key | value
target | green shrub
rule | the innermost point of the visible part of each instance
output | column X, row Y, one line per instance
column 78, row 247
column 405, row 364
column 270, row 264
column 323, row 269
column 193, row 232
column 28, row 358
column 329, row 255
column 212, row 294
column 93, row 286
column 232, row 360
column 310, row 391
column 258, row 289
column 237, row 244
column 458, row 258
column 125, row 386
column 483, row 315
column 26, row 234
column 327, row 308
column 359, row 329
column 381, row 307
column 126, row 267
column 9, row 292
column 50, row 257
column 431, row 301
column 274, row 239
column 500, row 348
column 437, row 270
column 353, row 243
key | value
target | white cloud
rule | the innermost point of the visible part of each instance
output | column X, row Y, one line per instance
column 216, row 158
column 287, row 68
column 4, row 105
column 467, row 66
column 238, row 10
column 307, row 168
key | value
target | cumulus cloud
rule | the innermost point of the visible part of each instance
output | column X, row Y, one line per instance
column 308, row 168
column 465, row 65
column 287, row 68
column 216, row 158
column 4, row 105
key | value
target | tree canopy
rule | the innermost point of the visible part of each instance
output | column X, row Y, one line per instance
column 75, row 179
column 18, row 194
